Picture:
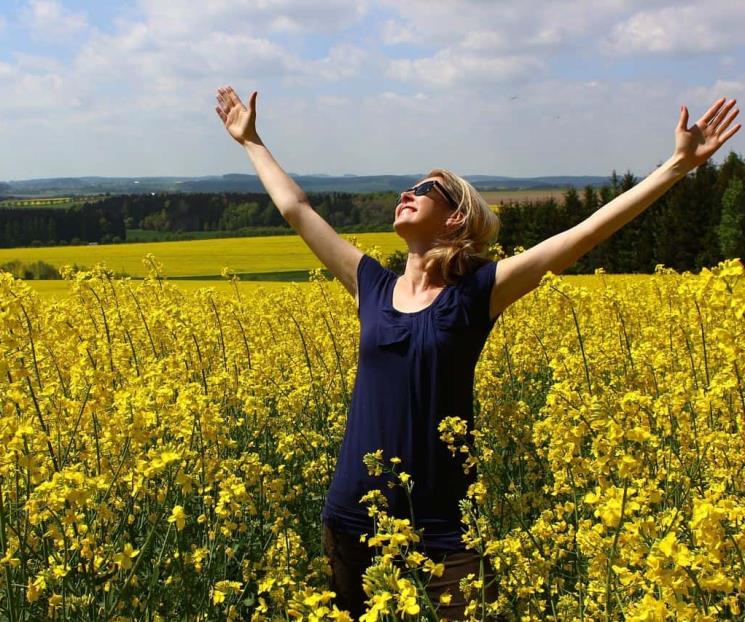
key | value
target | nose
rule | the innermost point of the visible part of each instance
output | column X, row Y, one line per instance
column 403, row 196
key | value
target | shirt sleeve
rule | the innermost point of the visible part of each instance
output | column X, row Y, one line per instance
column 371, row 277
column 480, row 285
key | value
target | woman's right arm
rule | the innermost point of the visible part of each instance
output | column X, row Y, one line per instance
column 338, row 255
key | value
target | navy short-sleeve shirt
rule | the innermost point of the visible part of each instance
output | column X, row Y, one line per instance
column 414, row 369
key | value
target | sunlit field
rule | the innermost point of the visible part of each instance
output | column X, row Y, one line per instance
column 166, row 452
column 198, row 257
column 43, row 202
column 247, row 257
column 61, row 288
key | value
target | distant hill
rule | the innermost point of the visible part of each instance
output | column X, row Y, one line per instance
column 250, row 183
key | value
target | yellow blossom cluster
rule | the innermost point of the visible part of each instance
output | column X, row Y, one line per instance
column 167, row 455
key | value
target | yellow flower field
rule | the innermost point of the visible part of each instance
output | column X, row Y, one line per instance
column 58, row 289
column 48, row 289
column 165, row 454
column 197, row 257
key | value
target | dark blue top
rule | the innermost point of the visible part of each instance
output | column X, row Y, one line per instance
column 414, row 369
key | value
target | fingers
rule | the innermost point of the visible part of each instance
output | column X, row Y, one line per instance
column 223, row 100
column 726, row 123
column 724, row 138
column 227, row 99
column 720, row 115
column 712, row 112
column 233, row 96
column 683, row 121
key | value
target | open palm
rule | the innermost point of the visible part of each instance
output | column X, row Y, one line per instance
column 239, row 120
column 698, row 143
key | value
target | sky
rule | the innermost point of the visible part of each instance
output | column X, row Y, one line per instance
column 521, row 89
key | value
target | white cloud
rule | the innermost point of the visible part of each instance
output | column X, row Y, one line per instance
column 181, row 77
column 497, row 25
column 258, row 17
column 150, row 67
column 679, row 29
column 313, row 16
column 448, row 68
column 342, row 61
column 37, row 64
column 418, row 103
column 49, row 20
column 698, row 98
column 511, row 81
column 485, row 40
column 393, row 33
column 332, row 101
column 26, row 93
column 543, row 27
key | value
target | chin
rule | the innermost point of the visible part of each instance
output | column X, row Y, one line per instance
column 399, row 226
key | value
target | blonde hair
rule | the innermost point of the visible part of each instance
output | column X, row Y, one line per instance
column 466, row 247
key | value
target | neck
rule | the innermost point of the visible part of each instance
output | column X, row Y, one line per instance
column 415, row 278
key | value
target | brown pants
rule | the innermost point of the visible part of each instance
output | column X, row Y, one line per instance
column 349, row 558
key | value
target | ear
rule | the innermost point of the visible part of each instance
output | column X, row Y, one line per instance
column 456, row 220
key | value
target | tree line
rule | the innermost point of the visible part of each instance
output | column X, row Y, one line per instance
column 697, row 223
column 37, row 226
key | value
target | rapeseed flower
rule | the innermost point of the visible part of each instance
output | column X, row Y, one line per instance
column 607, row 447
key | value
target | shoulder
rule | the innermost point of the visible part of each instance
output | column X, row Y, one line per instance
column 371, row 277
column 370, row 266
column 479, row 285
column 482, row 276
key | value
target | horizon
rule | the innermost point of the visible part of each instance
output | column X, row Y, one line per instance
column 292, row 174
column 359, row 88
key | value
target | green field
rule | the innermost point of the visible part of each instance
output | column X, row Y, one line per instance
column 198, row 258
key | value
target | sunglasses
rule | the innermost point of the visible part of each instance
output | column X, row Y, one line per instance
column 427, row 186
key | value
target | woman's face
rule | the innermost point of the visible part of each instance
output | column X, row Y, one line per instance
column 423, row 214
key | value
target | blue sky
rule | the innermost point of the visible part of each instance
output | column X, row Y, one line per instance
column 354, row 86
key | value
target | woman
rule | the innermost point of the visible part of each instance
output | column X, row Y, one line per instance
column 422, row 333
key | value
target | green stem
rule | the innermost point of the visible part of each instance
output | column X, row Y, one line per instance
column 611, row 557
column 3, row 549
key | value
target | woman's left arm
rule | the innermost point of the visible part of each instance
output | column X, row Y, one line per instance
column 519, row 274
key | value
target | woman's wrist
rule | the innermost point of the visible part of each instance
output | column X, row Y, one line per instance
column 675, row 167
column 255, row 149
column 254, row 140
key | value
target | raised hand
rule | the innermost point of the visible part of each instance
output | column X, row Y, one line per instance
column 239, row 120
column 695, row 145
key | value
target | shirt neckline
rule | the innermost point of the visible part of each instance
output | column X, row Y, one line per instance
column 389, row 298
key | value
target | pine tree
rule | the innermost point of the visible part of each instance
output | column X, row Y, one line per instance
column 731, row 230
